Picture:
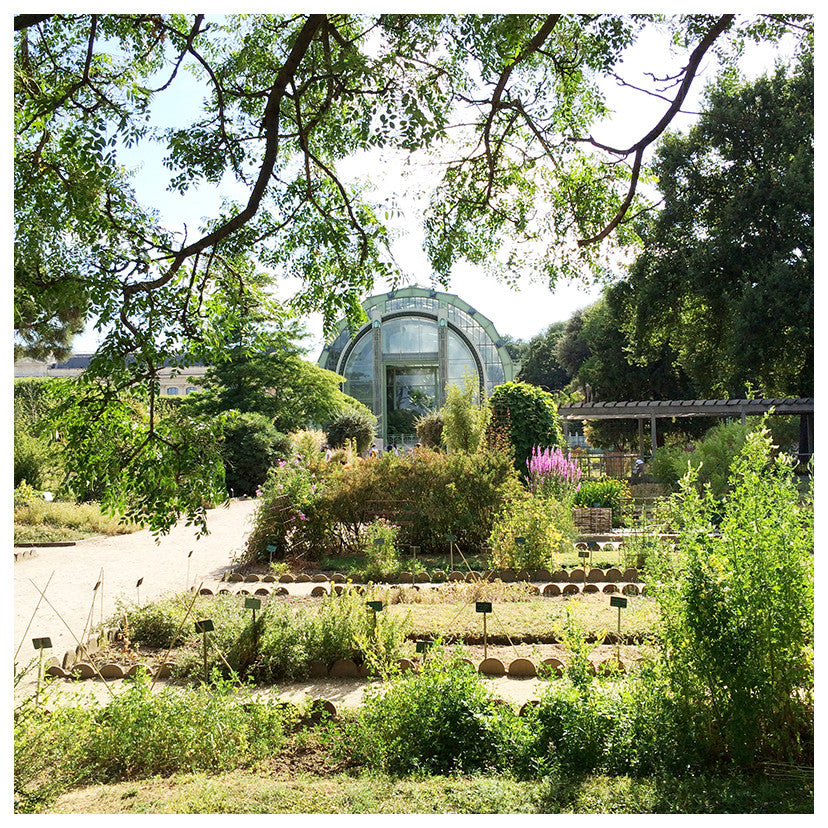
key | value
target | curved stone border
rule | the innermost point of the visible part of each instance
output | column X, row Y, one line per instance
column 343, row 668
column 578, row 575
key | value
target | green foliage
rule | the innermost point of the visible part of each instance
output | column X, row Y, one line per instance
column 288, row 497
column 540, row 365
column 265, row 374
column 138, row 734
column 737, row 609
column 440, row 719
column 251, row 446
column 529, row 416
column 606, row 493
column 464, row 422
column 39, row 521
column 281, row 103
column 731, row 251
column 429, row 428
column 434, row 493
column 530, row 534
column 711, row 458
column 379, row 542
column 357, row 424
column 34, row 460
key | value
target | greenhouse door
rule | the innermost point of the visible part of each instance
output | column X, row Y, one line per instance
column 410, row 392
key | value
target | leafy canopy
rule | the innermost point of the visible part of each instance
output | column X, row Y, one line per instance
column 726, row 276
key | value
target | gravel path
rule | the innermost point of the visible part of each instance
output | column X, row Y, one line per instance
column 178, row 562
column 118, row 563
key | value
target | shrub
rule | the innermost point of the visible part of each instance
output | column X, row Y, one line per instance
column 379, row 544
column 711, row 457
column 528, row 415
column 737, row 608
column 429, row 429
column 251, row 446
column 34, row 460
column 352, row 424
column 307, row 446
column 441, row 719
column 282, row 524
column 525, row 536
column 464, row 422
column 606, row 493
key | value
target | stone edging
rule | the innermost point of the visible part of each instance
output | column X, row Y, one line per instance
column 577, row 575
column 343, row 668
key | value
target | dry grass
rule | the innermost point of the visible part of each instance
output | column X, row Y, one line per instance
column 40, row 522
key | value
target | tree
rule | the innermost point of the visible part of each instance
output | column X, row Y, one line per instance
column 504, row 103
column 726, row 276
column 528, row 416
column 540, row 364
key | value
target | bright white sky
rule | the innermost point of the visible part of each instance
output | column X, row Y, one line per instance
column 521, row 312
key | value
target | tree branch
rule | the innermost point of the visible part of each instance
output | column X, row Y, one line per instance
column 721, row 25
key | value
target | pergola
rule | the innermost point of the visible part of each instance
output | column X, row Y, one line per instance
column 652, row 410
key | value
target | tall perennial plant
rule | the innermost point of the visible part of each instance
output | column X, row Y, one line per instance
column 552, row 474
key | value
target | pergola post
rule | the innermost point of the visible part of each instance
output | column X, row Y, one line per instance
column 640, row 437
column 653, row 432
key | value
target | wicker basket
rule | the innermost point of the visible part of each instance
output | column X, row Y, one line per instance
column 593, row 521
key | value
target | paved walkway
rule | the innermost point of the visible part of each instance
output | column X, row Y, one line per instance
column 177, row 562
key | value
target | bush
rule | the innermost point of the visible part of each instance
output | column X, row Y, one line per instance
column 737, row 609
column 352, row 424
column 526, row 535
column 441, row 719
column 251, row 446
column 529, row 416
column 711, row 458
column 34, row 461
column 606, row 493
column 380, row 548
column 284, row 522
column 434, row 493
column 464, row 422
column 139, row 734
column 429, row 429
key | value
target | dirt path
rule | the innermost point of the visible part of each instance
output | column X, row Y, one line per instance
column 118, row 562
column 179, row 561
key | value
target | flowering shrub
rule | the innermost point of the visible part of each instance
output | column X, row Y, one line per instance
column 283, row 523
column 551, row 474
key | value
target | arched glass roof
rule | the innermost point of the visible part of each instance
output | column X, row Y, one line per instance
column 415, row 343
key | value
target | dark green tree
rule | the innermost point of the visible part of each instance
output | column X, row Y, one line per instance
column 540, row 365
column 528, row 416
column 726, row 279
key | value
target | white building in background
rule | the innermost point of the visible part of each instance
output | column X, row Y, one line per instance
column 178, row 384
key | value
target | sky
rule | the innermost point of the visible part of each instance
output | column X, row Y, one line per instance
column 520, row 313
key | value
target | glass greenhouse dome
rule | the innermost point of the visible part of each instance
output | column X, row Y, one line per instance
column 415, row 344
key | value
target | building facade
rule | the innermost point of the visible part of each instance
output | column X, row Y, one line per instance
column 172, row 381
column 415, row 344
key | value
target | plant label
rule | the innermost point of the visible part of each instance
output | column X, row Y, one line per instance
column 376, row 606
column 483, row 606
column 451, row 538
column 252, row 603
column 42, row 643
column 205, row 625
column 618, row 601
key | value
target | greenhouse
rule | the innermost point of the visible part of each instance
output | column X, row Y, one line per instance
column 415, row 344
